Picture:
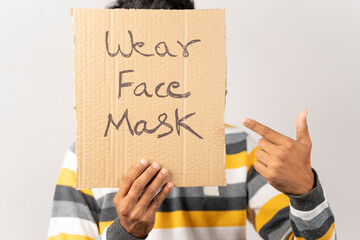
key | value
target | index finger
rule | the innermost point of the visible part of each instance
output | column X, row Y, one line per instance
column 134, row 173
column 264, row 131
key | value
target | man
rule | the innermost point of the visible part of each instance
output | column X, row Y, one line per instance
column 272, row 185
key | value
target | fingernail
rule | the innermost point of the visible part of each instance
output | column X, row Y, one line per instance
column 170, row 185
column 156, row 165
column 164, row 171
column 143, row 162
column 245, row 121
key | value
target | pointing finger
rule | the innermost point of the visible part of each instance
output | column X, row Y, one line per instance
column 265, row 131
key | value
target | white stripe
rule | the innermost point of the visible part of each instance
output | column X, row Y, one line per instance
column 250, row 143
column 211, row 191
column 70, row 161
column 70, row 225
column 287, row 234
column 104, row 234
column 197, row 233
column 236, row 175
column 229, row 130
column 100, row 192
column 308, row 215
column 333, row 235
column 263, row 195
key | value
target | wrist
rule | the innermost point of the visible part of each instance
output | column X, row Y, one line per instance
column 116, row 231
column 310, row 200
column 308, row 184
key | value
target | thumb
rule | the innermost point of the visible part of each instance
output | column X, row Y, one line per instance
column 302, row 131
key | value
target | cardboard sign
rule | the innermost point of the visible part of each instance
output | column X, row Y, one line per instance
column 149, row 84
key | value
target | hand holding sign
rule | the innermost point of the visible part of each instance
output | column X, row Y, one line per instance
column 284, row 162
column 135, row 202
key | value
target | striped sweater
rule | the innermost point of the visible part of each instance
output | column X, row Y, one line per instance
column 198, row 212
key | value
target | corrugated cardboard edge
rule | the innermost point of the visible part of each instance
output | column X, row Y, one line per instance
column 72, row 14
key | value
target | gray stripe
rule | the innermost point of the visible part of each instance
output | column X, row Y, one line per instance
column 229, row 191
column 280, row 232
column 316, row 233
column 72, row 209
column 235, row 148
column 314, row 223
column 186, row 192
column 235, row 137
column 108, row 214
column 255, row 184
column 233, row 190
column 276, row 221
column 73, row 147
column 66, row 193
column 106, row 201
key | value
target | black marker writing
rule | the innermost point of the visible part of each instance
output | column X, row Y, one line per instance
column 142, row 89
column 161, row 49
column 141, row 126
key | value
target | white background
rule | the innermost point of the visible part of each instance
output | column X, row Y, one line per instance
column 283, row 56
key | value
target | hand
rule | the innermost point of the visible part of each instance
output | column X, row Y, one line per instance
column 284, row 162
column 135, row 202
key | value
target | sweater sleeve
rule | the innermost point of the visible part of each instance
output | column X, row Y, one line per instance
column 75, row 213
column 276, row 215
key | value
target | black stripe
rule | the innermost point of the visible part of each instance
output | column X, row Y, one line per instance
column 108, row 214
column 316, row 233
column 66, row 193
column 203, row 204
column 235, row 148
column 275, row 223
column 252, row 173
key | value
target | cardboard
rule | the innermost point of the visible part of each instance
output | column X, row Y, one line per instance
column 179, row 58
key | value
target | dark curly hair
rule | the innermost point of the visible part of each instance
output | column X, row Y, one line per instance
column 153, row 4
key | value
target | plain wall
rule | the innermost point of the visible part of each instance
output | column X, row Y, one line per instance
column 283, row 56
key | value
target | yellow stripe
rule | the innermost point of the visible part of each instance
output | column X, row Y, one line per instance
column 291, row 236
column 229, row 126
column 67, row 178
column 251, row 158
column 236, row 160
column 103, row 225
column 88, row 192
column 194, row 219
column 329, row 233
column 178, row 219
column 63, row 236
column 269, row 209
